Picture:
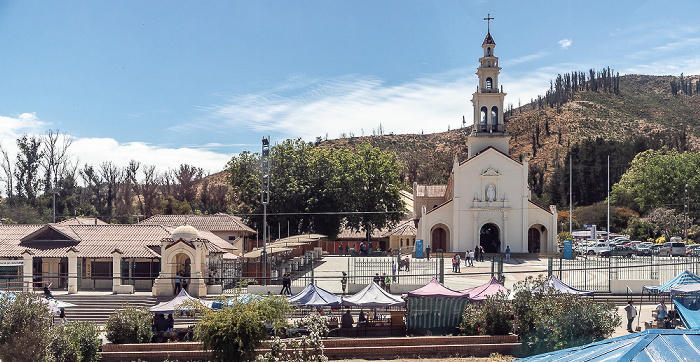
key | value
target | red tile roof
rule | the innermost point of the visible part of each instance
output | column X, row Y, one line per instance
column 407, row 227
column 216, row 222
column 431, row 190
column 83, row 221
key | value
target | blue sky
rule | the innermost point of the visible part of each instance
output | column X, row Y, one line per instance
column 168, row 82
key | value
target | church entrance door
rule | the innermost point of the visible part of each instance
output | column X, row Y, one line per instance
column 489, row 239
column 533, row 240
column 439, row 240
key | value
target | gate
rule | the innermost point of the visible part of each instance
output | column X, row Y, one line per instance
column 407, row 271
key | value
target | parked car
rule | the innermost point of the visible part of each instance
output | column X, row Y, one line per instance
column 672, row 249
column 623, row 251
column 692, row 250
column 643, row 250
column 655, row 249
column 596, row 247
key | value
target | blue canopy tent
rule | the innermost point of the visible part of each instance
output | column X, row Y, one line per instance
column 690, row 318
column 683, row 278
column 313, row 296
column 650, row 345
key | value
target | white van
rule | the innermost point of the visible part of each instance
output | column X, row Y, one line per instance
column 672, row 249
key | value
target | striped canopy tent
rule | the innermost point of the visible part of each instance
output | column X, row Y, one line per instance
column 434, row 308
column 313, row 296
column 683, row 278
column 650, row 345
column 554, row 283
column 690, row 317
column 480, row 293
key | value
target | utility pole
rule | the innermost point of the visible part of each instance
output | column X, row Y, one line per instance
column 265, row 199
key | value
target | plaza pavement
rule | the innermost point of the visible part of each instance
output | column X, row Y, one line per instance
column 328, row 272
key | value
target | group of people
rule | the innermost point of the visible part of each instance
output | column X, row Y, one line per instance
column 161, row 324
column 661, row 313
column 286, row 284
column 180, row 282
column 383, row 281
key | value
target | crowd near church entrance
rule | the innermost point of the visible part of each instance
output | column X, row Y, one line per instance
column 489, row 239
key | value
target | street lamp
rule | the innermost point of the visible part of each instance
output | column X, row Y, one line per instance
column 686, row 206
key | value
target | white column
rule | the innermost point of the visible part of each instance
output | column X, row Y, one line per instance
column 476, row 230
column 72, row 270
column 505, row 242
column 28, row 270
column 116, row 270
column 525, row 207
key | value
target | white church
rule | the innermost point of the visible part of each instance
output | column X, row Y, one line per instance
column 486, row 201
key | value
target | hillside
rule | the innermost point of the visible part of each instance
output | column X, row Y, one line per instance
column 644, row 108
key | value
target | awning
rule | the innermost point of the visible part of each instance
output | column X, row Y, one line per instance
column 683, row 278
column 650, row 345
column 177, row 303
column 313, row 296
column 554, row 283
column 435, row 290
column 493, row 287
column 270, row 250
column 373, row 296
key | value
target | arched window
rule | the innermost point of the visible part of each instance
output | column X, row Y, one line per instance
column 484, row 127
column 489, row 83
column 488, row 51
column 494, row 118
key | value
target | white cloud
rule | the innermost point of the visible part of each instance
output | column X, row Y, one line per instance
column 524, row 59
column 15, row 127
column 565, row 43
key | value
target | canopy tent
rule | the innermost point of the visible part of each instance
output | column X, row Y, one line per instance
column 558, row 285
column 684, row 278
column 373, row 296
column 313, row 296
column 177, row 303
column 686, row 288
column 56, row 305
column 690, row 318
column 435, row 290
column 434, row 308
column 483, row 291
column 650, row 345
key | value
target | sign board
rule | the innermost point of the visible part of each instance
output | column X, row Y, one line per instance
column 11, row 262
column 418, row 247
column 568, row 249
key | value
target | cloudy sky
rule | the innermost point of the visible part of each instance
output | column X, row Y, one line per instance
column 170, row 82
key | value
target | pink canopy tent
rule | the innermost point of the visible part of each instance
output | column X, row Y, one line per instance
column 482, row 291
column 435, row 290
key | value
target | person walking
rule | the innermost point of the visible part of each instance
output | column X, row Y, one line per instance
column 286, row 284
column 476, row 253
column 393, row 271
column 347, row 249
column 457, row 263
column 481, row 253
column 471, row 257
column 631, row 314
column 507, row 252
column 427, row 252
column 62, row 315
column 454, row 267
column 387, row 283
column 340, row 249
column 178, row 282
column 344, row 281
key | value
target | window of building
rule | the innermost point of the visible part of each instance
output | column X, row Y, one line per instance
column 494, row 118
column 489, row 83
column 483, row 119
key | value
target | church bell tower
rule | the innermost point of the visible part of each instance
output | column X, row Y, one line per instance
column 489, row 130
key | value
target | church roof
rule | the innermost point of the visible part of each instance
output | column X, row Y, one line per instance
column 431, row 190
column 82, row 221
column 486, row 149
column 439, row 206
column 488, row 40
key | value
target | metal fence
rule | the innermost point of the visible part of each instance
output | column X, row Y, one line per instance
column 596, row 273
column 405, row 271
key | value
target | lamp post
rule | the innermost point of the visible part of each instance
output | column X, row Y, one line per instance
column 265, row 199
column 686, row 206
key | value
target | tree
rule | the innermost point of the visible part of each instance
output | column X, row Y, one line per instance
column 234, row 332
column 187, row 177
column 26, row 168
column 23, row 327
column 668, row 223
column 549, row 320
column 129, row 325
column 657, row 178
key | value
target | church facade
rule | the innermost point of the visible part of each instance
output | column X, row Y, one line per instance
column 486, row 201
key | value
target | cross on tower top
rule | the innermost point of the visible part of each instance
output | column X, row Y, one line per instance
column 488, row 19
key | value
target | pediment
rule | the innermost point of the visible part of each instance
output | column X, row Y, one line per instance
column 490, row 171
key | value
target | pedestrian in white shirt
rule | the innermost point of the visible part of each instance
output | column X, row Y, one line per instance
column 471, row 257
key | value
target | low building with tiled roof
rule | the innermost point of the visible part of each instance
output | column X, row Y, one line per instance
column 79, row 254
column 227, row 227
column 402, row 236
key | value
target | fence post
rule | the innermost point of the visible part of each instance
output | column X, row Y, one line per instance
column 549, row 266
column 441, row 265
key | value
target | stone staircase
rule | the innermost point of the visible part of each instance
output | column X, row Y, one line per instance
column 97, row 307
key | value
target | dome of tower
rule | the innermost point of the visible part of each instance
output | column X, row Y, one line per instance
column 185, row 232
column 488, row 40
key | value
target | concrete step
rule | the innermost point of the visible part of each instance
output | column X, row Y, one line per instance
column 417, row 341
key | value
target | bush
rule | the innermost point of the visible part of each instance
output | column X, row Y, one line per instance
column 75, row 341
column 549, row 320
column 129, row 325
column 304, row 349
column 24, row 327
column 234, row 332
column 492, row 317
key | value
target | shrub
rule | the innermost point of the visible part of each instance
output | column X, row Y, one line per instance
column 129, row 325
column 61, row 346
column 304, row 349
column 87, row 336
column 549, row 320
column 24, row 327
column 493, row 317
column 234, row 332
